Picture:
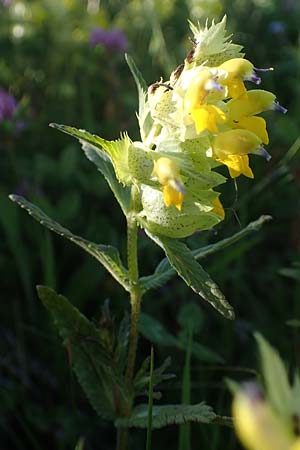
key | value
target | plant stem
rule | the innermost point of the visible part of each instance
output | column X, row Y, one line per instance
column 135, row 302
column 135, row 292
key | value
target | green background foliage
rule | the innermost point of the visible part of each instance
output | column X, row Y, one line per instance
column 48, row 64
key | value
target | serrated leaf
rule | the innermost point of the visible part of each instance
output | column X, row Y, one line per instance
column 92, row 362
column 116, row 150
column 164, row 271
column 183, row 261
column 107, row 255
column 104, row 165
column 168, row 415
column 275, row 377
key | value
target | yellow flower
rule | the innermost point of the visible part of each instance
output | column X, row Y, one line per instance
column 256, row 424
column 167, row 174
column 207, row 117
column 242, row 110
column 200, row 86
column 238, row 70
column 218, row 208
column 232, row 148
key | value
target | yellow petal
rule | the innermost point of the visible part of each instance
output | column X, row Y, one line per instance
column 218, row 208
column 237, row 68
column 251, row 103
column 235, row 142
column 256, row 125
column 197, row 90
column 207, row 117
column 296, row 445
column 236, row 88
column 237, row 165
column 172, row 197
column 257, row 426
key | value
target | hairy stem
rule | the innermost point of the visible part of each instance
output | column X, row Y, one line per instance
column 135, row 302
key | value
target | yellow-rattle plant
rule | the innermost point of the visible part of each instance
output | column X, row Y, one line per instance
column 202, row 117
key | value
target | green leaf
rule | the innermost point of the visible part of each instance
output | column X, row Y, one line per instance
column 144, row 117
column 91, row 360
column 164, row 271
column 183, row 261
column 204, row 353
column 142, row 378
column 107, row 255
column 104, row 165
column 116, row 150
column 190, row 317
column 140, row 82
column 155, row 332
column 275, row 377
column 168, row 415
column 291, row 272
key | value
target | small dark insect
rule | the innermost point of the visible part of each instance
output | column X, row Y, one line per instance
column 155, row 86
column 177, row 72
column 190, row 55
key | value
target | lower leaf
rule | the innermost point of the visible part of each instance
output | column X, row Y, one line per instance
column 167, row 415
column 92, row 362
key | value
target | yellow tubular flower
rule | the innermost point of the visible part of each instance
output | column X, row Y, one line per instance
column 256, row 125
column 172, row 197
column 241, row 112
column 167, row 173
column 256, row 424
column 199, row 89
column 251, row 103
column 232, row 147
column 238, row 70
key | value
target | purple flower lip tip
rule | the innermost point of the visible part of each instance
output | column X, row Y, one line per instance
column 261, row 151
column 255, row 79
column 253, row 391
column 280, row 108
column 216, row 86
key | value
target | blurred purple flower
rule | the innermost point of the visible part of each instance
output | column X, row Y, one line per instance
column 6, row 2
column 113, row 40
column 276, row 27
column 8, row 105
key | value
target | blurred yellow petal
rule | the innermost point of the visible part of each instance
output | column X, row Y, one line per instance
column 257, row 426
column 256, row 125
column 237, row 165
column 165, row 169
column 296, row 445
column 218, row 208
column 172, row 197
